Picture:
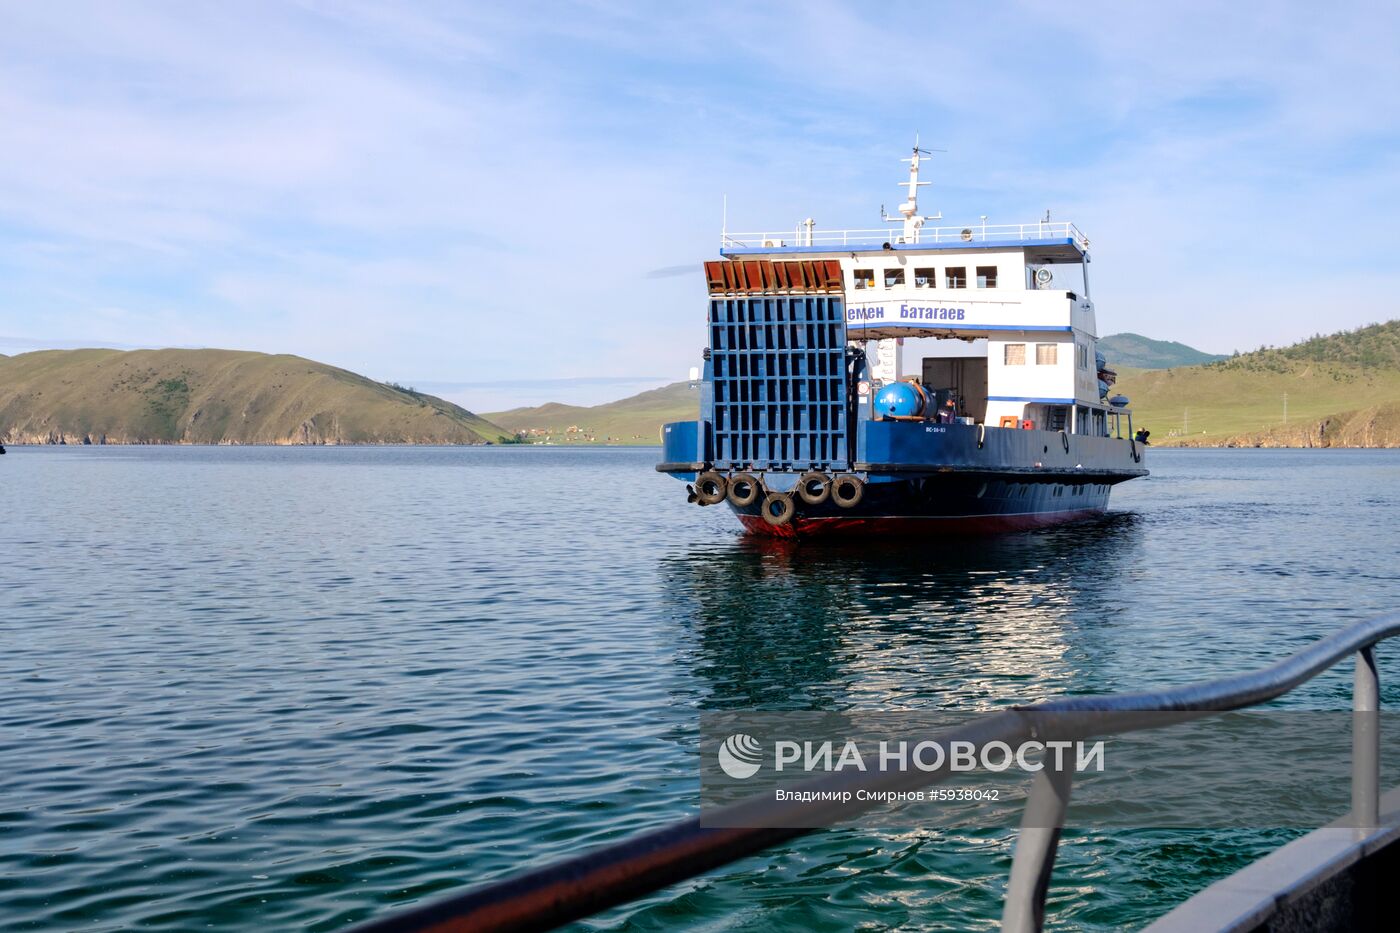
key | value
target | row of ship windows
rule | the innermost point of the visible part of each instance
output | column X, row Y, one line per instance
column 953, row 277
column 1046, row 354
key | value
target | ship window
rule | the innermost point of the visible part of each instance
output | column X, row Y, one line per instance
column 894, row 277
column 1015, row 354
column 925, row 278
column 957, row 276
column 1045, row 354
column 986, row 276
column 864, row 278
column 1081, row 352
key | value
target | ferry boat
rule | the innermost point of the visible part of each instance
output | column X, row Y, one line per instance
column 912, row 379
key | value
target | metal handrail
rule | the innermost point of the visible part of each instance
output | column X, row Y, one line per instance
column 586, row 884
column 970, row 233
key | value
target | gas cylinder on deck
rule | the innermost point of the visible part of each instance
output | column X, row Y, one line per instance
column 901, row 400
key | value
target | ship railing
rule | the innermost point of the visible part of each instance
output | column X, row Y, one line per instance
column 584, row 885
column 974, row 233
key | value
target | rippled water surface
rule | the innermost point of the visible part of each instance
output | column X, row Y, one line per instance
column 271, row 688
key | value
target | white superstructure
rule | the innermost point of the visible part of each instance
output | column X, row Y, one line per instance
column 998, row 314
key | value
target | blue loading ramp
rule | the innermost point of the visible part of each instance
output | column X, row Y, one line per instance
column 779, row 371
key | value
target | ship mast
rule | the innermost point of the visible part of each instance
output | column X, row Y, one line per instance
column 909, row 210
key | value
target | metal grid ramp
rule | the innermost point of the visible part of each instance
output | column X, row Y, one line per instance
column 778, row 364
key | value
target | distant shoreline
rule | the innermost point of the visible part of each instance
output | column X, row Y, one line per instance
column 1166, row 446
column 588, row 446
column 366, row 444
column 216, row 397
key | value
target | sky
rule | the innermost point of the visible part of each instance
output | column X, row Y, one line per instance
column 509, row 203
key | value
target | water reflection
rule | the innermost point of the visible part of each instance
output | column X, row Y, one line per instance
column 970, row 623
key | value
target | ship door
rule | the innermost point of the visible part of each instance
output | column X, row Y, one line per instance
column 963, row 378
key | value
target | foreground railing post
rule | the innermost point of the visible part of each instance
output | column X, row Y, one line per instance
column 1366, row 741
column 1036, row 846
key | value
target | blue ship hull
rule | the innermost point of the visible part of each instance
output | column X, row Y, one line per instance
column 786, row 395
column 924, row 478
column 941, row 505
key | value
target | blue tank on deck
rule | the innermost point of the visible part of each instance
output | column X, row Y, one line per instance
column 901, row 399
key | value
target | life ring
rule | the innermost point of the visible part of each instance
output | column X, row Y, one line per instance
column 778, row 508
column 710, row 488
column 813, row 487
column 847, row 490
column 744, row 489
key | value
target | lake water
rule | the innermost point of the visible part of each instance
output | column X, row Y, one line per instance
column 271, row 688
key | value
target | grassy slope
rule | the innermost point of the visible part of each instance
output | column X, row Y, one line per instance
column 633, row 420
column 216, row 396
column 1349, row 380
column 1135, row 351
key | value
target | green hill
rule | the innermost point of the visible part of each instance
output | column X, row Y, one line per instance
column 215, row 397
column 1135, row 351
column 1373, row 347
column 633, row 420
column 1342, row 390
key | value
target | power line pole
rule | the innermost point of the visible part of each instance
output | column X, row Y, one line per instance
column 1285, row 408
column 1186, row 421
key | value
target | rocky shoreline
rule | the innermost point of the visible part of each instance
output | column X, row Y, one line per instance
column 1236, row 443
column 1375, row 428
column 60, row 439
column 214, row 397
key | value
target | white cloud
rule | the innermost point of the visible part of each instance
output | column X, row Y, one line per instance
column 459, row 192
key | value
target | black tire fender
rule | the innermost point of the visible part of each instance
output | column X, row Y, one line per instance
column 744, row 489
column 778, row 508
column 847, row 489
column 813, row 487
column 710, row 488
